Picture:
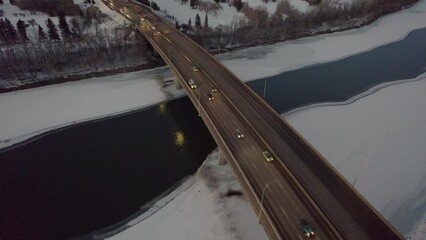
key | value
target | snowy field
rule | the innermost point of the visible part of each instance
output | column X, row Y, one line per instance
column 183, row 13
column 31, row 112
column 13, row 13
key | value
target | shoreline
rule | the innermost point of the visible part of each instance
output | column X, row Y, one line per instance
column 153, row 64
column 12, row 143
column 369, row 91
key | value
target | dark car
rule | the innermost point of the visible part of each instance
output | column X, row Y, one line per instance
column 306, row 228
column 210, row 96
column 239, row 134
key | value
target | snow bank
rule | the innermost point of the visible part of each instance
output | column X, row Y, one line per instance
column 33, row 111
column 203, row 211
column 377, row 143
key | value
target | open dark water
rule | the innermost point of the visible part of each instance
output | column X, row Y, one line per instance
column 93, row 175
column 86, row 177
column 342, row 79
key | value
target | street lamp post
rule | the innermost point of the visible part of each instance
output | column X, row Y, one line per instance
column 263, row 195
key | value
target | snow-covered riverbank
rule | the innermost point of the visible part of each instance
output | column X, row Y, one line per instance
column 376, row 140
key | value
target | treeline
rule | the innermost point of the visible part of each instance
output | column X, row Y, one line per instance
column 51, row 7
column 74, row 46
column 46, row 60
column 259, row 27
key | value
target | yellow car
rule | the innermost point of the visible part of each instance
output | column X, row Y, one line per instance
column 268, row 156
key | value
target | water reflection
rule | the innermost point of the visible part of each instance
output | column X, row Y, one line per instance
column 162, row 108
column 180, row 139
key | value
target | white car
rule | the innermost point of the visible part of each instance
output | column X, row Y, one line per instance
column 195, row 69
column 192, row 84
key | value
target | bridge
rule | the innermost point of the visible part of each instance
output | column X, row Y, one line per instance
column 298, row 183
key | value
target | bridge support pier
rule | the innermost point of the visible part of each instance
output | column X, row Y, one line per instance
column 222, row 160
column 178, row 85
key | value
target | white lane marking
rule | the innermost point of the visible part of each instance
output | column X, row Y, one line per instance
column 297, row 209
column 269, row 188
column 300, row 237
column 266, row 163
column 281, row 186
column 282, row 209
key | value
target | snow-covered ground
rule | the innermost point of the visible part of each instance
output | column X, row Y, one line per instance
column 376, row 142
column 202, row 211
column 183, row 13
column 29, row 112
column 13, row 13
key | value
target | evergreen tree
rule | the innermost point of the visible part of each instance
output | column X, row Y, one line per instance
column 155, row 6
column 1, row 1
column 189, row 24
column 41, row 34
column 12, row 2
column 197, row 22
column 22, row 29
column 145, row 2
column 192, row 3
column 10, row 31
column 63, row 26
column 206, row 22
column 2, row 31
column 238, row 4
column 52, row 31
column 177, row 26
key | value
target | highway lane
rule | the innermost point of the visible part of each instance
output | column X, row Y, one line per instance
column 268, row 130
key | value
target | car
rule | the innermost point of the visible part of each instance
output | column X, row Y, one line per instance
column 239, row 134
column 210, row 96
column 306, row 228
column 156, row 33
column 192, row 84
column 195, row 69
column 214, row 89
column 268, row 156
